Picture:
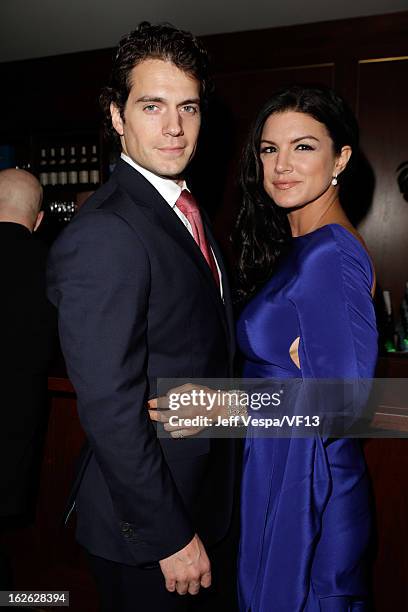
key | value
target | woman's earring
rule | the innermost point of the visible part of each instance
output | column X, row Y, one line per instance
column 334, row 180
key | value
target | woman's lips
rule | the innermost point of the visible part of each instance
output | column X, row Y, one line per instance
column 285, row 185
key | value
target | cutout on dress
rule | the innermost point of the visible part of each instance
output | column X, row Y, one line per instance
column 294, row 352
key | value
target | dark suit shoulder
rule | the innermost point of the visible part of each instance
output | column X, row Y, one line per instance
column 97, row 199
column 110, row 216
column 113, row 197
column 99, row 236
column 97, row 243
column 99, row 215
column 125, row 185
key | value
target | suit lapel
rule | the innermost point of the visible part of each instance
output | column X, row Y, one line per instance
column 158, row 210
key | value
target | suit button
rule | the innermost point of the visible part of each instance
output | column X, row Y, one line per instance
column 127, row 530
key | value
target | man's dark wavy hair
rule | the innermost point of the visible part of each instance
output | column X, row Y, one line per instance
column 147, row 41
column 262, row 232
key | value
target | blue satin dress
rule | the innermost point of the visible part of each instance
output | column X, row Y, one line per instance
column 305, row 509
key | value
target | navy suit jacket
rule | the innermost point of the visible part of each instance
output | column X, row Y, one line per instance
column 137, row 302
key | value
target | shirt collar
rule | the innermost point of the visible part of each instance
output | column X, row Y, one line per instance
column 168, row 189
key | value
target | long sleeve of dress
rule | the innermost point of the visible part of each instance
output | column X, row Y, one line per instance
column 337, row 330
column 338, row 337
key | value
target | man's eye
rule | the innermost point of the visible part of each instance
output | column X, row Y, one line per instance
column 150, row 107
column 189, row 108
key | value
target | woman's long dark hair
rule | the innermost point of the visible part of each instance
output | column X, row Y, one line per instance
column 262, row 230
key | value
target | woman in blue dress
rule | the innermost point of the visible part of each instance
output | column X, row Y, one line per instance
column 308, row 280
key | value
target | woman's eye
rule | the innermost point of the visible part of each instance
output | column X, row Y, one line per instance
column 268, row 149
column 304, row 147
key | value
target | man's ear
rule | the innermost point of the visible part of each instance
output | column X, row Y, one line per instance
column 117, row 120
column 343, row 159
column 37, row 223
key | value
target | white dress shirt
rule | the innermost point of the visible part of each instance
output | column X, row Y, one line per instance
column 170, row 192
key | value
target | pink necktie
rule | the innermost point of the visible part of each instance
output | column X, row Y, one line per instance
column 189, row 207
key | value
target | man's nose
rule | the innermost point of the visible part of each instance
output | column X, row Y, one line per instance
column 173, row 124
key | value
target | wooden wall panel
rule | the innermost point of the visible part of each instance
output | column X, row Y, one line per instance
column 383, row 118
column 246, row 92
column 240, row 95
column 45, row 555
column 388, row 468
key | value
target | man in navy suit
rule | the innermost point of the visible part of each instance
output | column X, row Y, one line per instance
column 138, row 300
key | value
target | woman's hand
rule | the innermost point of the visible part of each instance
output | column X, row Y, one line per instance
column 193, row 401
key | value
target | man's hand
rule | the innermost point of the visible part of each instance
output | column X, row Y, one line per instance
column 159, row 409
column 187, row 569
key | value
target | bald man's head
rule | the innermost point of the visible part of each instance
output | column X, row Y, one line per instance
column 20, row 198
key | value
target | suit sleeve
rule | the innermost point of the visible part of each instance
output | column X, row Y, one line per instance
column 99, row 278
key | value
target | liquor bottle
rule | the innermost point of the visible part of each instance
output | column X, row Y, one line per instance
column 43, row 168
column 94, row 167
column 389, row 326
column 62, row 168
column 404, row 320
column 83, row 167
column 52, row 171
column 72, row 168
